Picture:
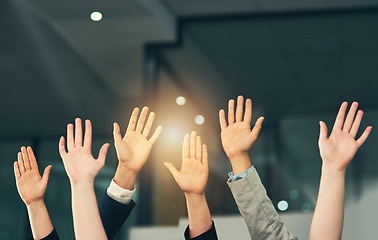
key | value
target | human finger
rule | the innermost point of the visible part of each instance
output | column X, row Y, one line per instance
column 364, row 136
column 340, row 117
column 25, row 158
column 222, row 119
column 149, row 123
column 231, row 106
column 239, row 109
column 248, row 111
column 356, row 123
column 142, row 120
column 78, row 133
column 70, row 137
column 20, row 163
column 350, row 117
column 88, row 134
column 156, row 135
column 133, row 120
column 33, row 160
column 198, row 148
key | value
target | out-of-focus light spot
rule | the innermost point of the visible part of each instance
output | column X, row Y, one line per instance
column 180, row 100
column 96, row 16
column 199, row 119
column 174, row 134
column 283, row 205
column 306, row 207
column 293, row 194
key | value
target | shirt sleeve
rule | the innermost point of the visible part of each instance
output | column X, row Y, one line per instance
column 119, row 194
column 210, row 234
column 233, row 178
column 52, row 236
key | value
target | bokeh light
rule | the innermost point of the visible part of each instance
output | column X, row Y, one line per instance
column 199, row 119
column 96, row 16
column 283, row 205
column 180, row 100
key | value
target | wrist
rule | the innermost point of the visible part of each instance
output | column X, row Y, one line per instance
column 194, row 197
column 332, row 171
column 82, row 185
column 35, row 204
column 240, row 163
column 125, row 177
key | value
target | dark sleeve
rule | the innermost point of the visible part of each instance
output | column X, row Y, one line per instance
column 113, row 214
column 210, row 234
column 52, row 236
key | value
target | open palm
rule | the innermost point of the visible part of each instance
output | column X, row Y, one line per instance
column 192, row 177
column 78, row 161
column 134, row 148
column 31, row 186
column 237, row 137
column 341, row 146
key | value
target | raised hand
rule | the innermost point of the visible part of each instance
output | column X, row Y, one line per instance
column 339, row 148
column 336, row 151
column 31, row 186
column 79, row 163
column 82, row 168
column 237, row 137
column 192, row 177
column 134, row 148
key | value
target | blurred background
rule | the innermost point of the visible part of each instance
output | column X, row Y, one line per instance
column 296, row 60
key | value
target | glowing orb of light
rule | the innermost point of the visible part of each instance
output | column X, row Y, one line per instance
column 180, row 100
column 96, row 16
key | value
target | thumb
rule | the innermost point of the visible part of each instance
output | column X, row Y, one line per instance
column 102, row 154
column 256, row 129
column 46, row 174
column 172, row 169
column 323, row 131
column 116, row 133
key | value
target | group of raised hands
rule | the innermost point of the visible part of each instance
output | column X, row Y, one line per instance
column 102, row 220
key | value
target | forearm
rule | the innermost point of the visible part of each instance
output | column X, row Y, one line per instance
column 327, row 222
column 240, row 163
column 262, row 219
column 124, row 177
column 39, row 220
column 198, row 214
column 86, row 217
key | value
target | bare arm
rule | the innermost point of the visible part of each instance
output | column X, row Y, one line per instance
column 82, row 169
column 192, row 179
column 32, row 187
column 336, row 152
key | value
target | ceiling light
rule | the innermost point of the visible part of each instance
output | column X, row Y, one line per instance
column 96, row 16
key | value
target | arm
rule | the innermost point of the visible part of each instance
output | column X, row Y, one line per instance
column 132, row 151
column 113, row 214
column 336, row 152
column 257, row 209
column 32, row 187
column 192, row 179
column 82, row 169
column 255, row 206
